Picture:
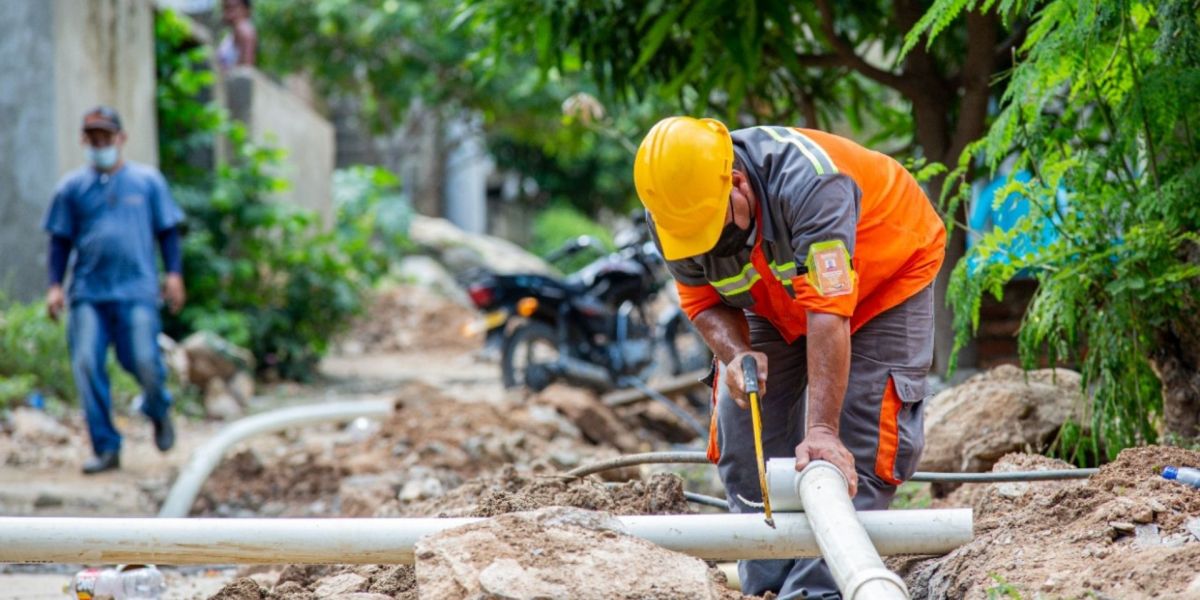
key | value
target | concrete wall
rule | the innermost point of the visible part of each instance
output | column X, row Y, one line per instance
column 280, row 118
column 104, row 54
column 57, row 59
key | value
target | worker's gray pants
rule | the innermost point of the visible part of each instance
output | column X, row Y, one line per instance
column 882, row 425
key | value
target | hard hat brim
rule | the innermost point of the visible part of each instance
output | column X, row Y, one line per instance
column 702, row 239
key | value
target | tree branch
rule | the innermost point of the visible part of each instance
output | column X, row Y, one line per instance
column 822, row 60
column 845, row 49
column 982, row 31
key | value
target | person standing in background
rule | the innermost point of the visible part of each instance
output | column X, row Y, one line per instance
column 109, row 214
column 239, row 46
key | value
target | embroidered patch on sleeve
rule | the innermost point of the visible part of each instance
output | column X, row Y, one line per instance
column 829, row 269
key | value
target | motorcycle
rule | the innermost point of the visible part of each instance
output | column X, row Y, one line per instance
column 592, row 328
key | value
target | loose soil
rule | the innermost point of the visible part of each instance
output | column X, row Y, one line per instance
column 407, row 318
column 433, row 443
column 1125, row 533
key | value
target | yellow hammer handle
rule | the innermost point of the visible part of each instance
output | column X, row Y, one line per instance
column 756, row 419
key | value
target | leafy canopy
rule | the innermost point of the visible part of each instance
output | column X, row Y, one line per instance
column 1101, row 104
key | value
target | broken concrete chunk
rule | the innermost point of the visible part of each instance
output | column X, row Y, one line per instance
column 345, row 583
column 554, row 553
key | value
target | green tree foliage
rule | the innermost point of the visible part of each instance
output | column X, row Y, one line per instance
column 821, row 64
column 260, row 273
column 1101, row 103
column 389, row 55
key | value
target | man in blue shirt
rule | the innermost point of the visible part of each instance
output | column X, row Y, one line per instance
column 109, row 214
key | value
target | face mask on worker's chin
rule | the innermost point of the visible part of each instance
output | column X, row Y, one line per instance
column 102, row 158
column 733, row 240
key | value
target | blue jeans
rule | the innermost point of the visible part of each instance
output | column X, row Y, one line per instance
column 132, row 327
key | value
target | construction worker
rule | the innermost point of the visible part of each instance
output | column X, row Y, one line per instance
column 816, row 257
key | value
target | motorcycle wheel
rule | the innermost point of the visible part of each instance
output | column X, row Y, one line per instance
column 528, row 352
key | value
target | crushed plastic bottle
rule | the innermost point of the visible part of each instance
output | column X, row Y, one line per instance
column 1186, row 475
column 125, row 582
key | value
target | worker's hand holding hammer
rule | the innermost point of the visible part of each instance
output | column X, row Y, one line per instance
column 735, row 377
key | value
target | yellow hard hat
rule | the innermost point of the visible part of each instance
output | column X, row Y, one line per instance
column 684, row 173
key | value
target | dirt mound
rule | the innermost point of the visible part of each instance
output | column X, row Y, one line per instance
column 405, row 318
column 1124, row 533
column 512, row 491
column 970, row 426
column 431, row 444
column 312, row 582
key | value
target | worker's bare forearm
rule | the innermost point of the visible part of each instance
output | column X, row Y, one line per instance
column 828, row 369
column 725, row 330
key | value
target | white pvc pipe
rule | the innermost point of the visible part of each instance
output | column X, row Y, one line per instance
column 207, row 457
column 845, row 545
column 391, row 541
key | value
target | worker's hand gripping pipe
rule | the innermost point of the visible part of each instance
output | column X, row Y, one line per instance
column 750, row 384
column 822, row 492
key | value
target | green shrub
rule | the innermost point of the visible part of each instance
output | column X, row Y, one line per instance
column 34, row 357
column 262, row 274
column 373, row 218
column 555, row 225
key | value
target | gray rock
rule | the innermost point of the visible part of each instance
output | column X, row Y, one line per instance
column 34, row 426
column 425, row 272
column 219, row 403
column 345, row 583
column 969, row 427
column 420, row 489
column 46, row 499
column 554, row 553
column 1193, row 527
column 461, row 251
column 1147, row 536
column 209, row 356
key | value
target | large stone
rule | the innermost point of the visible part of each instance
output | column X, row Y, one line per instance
column 209, row 356
column 595, row 419
column 970, row 426
column 554, row 553
column 219, row 403
column 346, row 583
column 461, row 251
column 32, row 426
column 425, row 272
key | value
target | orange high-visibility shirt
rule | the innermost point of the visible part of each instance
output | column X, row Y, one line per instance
column 816, row 189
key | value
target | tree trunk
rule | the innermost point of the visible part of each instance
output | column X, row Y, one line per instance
column 1177, row 363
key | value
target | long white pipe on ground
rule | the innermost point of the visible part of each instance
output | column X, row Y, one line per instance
column 845, row 545
column 391, row 541
column 207, row 457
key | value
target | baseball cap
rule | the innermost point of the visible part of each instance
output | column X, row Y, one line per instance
column 102, row 117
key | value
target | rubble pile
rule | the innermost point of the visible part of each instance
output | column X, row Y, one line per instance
column 1124, row 533
column 432, row 444
column 409, row 318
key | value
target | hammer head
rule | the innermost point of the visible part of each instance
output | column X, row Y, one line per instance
column 750, row 374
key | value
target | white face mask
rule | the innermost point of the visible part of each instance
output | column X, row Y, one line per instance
column 102, row 158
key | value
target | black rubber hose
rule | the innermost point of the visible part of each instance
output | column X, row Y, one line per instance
column 646, row 458
column 706, row 500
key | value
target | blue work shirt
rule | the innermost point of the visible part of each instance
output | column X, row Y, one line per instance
column 113, row 221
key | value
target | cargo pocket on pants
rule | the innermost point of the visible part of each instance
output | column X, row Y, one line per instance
column 901, row 425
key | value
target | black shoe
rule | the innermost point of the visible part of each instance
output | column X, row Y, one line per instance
column 164, row 433
column 107, row 461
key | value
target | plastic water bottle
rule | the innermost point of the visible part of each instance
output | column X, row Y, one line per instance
column 126, row 582
column 1186, row 475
